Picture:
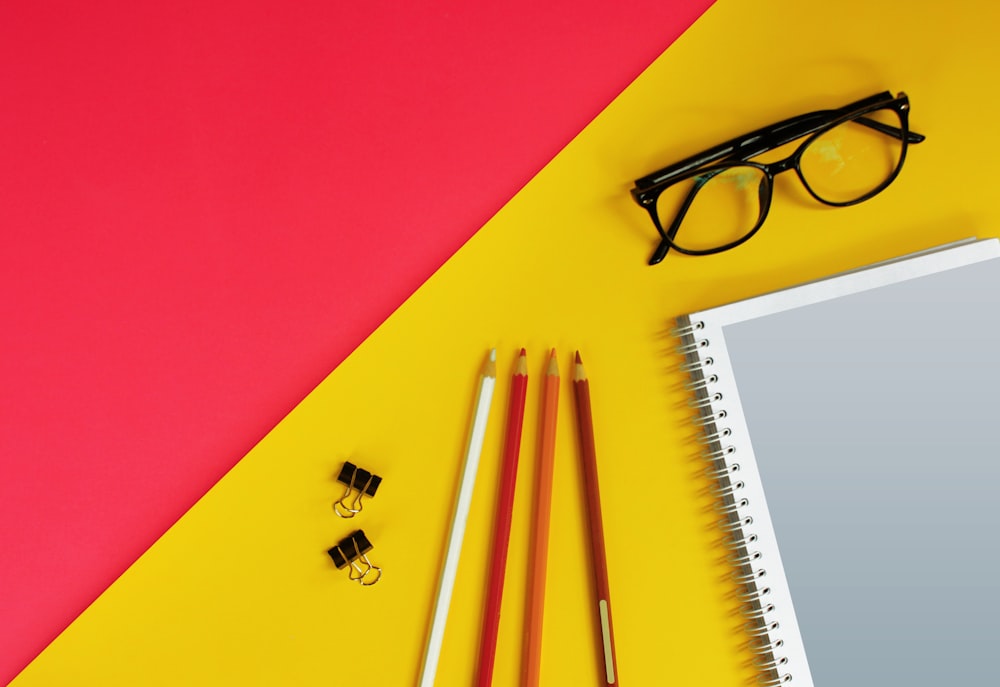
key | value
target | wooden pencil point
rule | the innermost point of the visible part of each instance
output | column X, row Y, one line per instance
column 521, row 368
column 579, row 373
column 553, row 368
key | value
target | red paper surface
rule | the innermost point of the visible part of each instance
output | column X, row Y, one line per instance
column 204, row 207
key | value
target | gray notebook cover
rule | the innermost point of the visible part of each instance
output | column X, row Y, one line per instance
column 873, row 419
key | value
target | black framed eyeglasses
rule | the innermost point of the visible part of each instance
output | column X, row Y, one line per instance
column 718, row 199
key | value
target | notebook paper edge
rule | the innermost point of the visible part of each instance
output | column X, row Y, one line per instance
column 882, row 273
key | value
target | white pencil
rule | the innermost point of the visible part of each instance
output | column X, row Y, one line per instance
column 446, row 586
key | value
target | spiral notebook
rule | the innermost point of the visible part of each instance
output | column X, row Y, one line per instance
column 852, row 426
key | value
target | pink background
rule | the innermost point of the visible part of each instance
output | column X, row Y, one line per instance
column 204, row 207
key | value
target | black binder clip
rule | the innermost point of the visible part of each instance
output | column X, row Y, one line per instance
column 351, row 551
column 358, row 481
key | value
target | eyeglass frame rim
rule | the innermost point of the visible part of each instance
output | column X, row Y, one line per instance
column 734, row 153
column 769, row 171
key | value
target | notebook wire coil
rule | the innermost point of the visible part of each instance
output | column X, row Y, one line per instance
column 748, row 571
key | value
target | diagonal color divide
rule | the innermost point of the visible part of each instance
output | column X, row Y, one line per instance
column 240, row 590
column 191, row 196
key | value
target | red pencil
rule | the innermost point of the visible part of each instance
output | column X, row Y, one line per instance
column 501, row 532
column 588, row 454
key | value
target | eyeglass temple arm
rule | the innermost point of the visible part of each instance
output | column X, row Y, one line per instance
column 745, row 146
column 889, row 130
column 770, row 137
column 797, row 127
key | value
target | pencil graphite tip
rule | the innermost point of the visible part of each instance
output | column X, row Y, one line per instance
column 579, row 374
column 521, row 368
column 490, row 366
column 553, row 368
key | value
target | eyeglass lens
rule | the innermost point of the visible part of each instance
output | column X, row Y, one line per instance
column 725, row 206
column 840, row 166
column 853, row 159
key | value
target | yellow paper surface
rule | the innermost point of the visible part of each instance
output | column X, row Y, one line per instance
column 241, row 590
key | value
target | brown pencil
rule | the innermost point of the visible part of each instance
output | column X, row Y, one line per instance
column 540, row 539
column 588, row 454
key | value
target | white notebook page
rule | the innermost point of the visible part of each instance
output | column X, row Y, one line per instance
column 873, row 419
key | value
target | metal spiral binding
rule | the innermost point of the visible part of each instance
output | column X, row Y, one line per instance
column 731, row 506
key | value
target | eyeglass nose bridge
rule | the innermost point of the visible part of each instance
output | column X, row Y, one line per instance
column 773, row 169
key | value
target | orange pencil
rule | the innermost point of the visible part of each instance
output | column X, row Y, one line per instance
column 588, row 454
column 540, row 540
column 501, row 531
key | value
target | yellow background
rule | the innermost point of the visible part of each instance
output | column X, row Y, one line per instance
column 241, row 591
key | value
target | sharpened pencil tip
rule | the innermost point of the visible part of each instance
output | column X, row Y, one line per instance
column 578, row 361
column 521, row 367
column 490, row 366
